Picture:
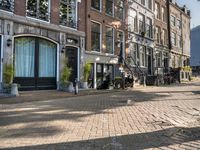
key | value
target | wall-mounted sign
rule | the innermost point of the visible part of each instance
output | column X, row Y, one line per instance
column 72, row 41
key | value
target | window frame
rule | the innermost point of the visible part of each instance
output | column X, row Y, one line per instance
column 100, row 35
column 12, row 7
column 113, row 6
column 100, row 6
column 76, row 17
column 36, row 18
column 117, row 7
column 107, row 36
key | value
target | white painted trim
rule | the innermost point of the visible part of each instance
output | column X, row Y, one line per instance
column 33, row 35
column 58, row 65
column 1, row 62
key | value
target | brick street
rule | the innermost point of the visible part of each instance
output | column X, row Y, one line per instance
column 144, row 118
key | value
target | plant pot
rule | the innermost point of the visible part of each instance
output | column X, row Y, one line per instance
column 85, row 85
column 14, row 89
column 67, row 87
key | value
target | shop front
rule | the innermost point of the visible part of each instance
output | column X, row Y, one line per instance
column 35, row 63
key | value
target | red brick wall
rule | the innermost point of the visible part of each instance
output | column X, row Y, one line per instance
column 55, row 11
column 104, row 20
column 81, row 15
column 20, row 7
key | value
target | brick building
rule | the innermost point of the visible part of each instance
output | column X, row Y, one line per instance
column 161, row 38
column 37, row 35
column 105, row 38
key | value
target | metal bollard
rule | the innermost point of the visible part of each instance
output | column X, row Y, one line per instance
column 76, row 86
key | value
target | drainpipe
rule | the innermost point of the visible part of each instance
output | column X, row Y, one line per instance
column 169, row 31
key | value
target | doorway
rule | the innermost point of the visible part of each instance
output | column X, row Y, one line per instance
column 149, row 61
column 72, row 61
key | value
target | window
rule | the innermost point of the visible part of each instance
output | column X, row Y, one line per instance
column 68, row 13
column 157, row 35
column 179, row 41
column 133, row 50
column 178, row 23
column 38, row 9
column 95, row 37
column 142, row 55
column 149, row 4
column 120, row 39
column 157, row 10
column 96, row 4
column 119, row 11
column 143, row 2
column 173, row 20
column 149, row 27
column 159, row 59
column 109, row 40
column 141, row 23
column 7, row 5
column 164, row 14
column 109, row 7
column 164, row 37
column 132, row 21
column 173, row 39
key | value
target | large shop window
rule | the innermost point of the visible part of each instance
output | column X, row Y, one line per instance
column 95, row 37
column 7, row 5
column 68, row 13
column 35, row 62
column 38, row 9
column 109, row 40
column 47, row 59
column 24, row 57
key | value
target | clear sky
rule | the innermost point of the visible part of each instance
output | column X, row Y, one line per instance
column 194, row 6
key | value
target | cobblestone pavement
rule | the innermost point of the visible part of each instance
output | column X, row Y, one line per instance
column 146, row 118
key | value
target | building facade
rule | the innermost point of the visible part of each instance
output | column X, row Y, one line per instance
column 37, row 36
column 140, row 37
column 106, row 35
column 195, row 50
column 179, row 27
column 161, row 38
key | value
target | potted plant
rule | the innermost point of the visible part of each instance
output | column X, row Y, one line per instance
column 8, row 73
column 65, row 84
column 87, row 69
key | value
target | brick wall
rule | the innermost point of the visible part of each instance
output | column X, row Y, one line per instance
column 20, row 7
column 104, row 20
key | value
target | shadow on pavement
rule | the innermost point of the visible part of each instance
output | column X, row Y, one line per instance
column 155, row 139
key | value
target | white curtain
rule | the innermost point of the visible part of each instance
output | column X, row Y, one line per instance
column 24, row 57
column 47, row 59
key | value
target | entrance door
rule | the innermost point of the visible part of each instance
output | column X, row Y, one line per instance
column 35, row 63
column 72, row 58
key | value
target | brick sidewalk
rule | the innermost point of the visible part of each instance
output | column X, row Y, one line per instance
column 146, row 118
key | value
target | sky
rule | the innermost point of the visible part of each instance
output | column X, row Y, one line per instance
column 194, row 6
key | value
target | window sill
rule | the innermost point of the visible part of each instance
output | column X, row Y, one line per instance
column 96, row 10
column 37, row 20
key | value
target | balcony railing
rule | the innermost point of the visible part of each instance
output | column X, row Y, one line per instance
column 68, row 23
column 7, row 5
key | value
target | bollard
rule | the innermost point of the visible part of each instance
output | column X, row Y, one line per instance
column 76, row 86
